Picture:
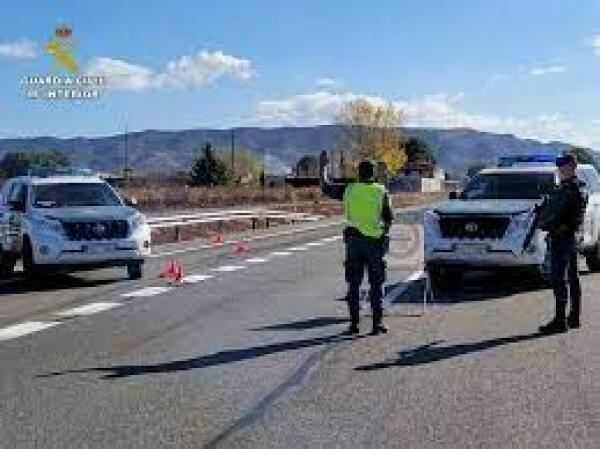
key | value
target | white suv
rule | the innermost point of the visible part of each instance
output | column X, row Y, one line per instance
column 489, row 224
column 69, row 223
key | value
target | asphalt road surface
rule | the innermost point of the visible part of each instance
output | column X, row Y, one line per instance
column 249, row 353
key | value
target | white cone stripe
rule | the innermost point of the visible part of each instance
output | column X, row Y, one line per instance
column 193, row 278
column 88, row 309
column 228, row 268
column 22, row 329
column 145, row 292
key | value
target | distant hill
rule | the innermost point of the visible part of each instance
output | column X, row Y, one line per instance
column 169, row 151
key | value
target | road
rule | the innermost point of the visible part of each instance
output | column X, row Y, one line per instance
column 249, row 354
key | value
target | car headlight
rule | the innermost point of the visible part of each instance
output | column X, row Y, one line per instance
column 49, row 225
column 137, row 222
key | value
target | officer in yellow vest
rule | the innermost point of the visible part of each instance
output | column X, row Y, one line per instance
column 369, row 217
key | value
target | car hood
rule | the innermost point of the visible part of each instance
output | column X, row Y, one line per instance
column 485, row 206
column 98, row 213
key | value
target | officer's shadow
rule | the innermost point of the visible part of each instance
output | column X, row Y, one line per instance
column 431, row 352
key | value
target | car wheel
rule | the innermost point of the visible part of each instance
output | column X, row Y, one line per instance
column 592, row 259
column 7, row 265
column 445, row 278
column 29, row 266
column 134, row 271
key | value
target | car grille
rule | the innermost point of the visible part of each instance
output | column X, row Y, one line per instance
column 477, row 227
column 96, row 230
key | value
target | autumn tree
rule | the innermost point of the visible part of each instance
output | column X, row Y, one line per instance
column 372, row 131
column 247, row 164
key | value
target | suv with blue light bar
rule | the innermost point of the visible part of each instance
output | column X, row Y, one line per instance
column 488, row 224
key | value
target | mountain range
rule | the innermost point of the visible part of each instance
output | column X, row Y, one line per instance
column 154, row 151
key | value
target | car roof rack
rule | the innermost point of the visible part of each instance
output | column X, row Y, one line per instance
column 47, row 172
column 528, row 159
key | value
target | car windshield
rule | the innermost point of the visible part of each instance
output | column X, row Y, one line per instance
column 74, row 195
column 509, row 186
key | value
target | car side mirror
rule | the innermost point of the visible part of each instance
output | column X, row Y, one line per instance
column 16, row 206
column 453, row 195
column 131, row 201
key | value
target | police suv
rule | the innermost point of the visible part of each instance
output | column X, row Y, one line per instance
column 69, row 222
column 490, row 223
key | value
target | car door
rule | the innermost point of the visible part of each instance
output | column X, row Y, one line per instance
column 4, row 213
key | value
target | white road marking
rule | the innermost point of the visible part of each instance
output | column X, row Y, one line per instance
column 228, row 268
column 22, row 329
column 315, row 244
column 145, row 292
column 280, row 253
column 257, row 237
column 88, row 309
column 193, row 278
column 256, row 260
column 298, row 248
column 386, row 301
column 330, row 239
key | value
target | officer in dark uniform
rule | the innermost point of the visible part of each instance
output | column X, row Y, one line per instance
column 562, row 217
column 369, row 216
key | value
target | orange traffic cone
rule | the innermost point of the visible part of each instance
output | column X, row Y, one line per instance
column 172, row 271
column 241, row 247
column 167, row 270
column 217, row 238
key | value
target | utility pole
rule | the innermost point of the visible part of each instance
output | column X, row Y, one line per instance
column 233, row 153
column 126, row 169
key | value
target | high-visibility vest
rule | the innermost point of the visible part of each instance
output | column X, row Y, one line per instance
column 363, row 204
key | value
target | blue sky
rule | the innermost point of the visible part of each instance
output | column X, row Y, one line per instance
column 529, row 67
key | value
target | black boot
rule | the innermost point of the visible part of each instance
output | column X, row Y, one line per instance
column 573, row 321
column 558, row 324
column 378, row 326
column 354, row 309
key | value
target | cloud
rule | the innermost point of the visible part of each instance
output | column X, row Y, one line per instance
column 596, row 44
column 326, row 82
column 547, row 70
column 192, row 71
column 19, row 49
column 436, row 111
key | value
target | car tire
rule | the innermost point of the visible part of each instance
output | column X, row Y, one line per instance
column 30, row 268
column 134, row 271
column 7, row 265
column 444, row 278
column 592, row 259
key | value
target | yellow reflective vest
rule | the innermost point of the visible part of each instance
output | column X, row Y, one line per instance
column 363, row 204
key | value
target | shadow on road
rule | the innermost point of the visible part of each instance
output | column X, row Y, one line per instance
column 205, row 361
column 431, row 353
column 311, row 323
column 49, row 283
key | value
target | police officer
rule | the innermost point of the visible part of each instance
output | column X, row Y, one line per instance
column 561, row 217
column 369, row 217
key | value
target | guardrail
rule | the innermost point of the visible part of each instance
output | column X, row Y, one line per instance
column 253, row 215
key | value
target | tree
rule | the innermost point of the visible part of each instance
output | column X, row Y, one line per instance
column 209, row 170
column 19, row 163
column 417, row 150
column 247, row 164
column 373, row 132
column 583, row 156
column 308, row 166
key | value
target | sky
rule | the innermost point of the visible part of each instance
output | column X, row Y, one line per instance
column 527, row 67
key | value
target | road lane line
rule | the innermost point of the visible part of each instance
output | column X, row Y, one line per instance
column 280, row 253
column 256, row 260
column 88, row 309
column 228, row 268
column 298, row 248
column 26, row 328
column 315, row 244
column 387, row 300
column 145, row 292
column 330, row 239
column 193, row 278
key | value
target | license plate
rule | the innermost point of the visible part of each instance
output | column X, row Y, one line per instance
column 472, row 248
column 100, row 248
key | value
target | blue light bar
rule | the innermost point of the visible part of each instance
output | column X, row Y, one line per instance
column 509, row 161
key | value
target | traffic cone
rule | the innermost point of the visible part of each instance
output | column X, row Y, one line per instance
column 217, row 238
column 167, row 270
column 172, row 271
column 178, row 272
column 241, row 247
